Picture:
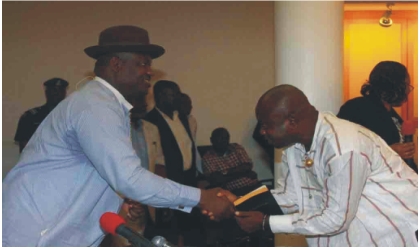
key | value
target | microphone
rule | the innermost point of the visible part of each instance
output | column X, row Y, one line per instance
column 408, row 129
column 114, row 224
column 160, row 241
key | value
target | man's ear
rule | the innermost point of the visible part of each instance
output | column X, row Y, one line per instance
column 115, row 63
column 292, row 120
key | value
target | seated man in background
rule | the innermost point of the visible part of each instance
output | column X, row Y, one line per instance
column 55, row 92
column 228, row 165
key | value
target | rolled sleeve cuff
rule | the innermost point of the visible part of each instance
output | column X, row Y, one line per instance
column 189, row 198
column 281, row 223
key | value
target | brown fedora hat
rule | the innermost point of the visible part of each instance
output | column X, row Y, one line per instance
column 124, row 38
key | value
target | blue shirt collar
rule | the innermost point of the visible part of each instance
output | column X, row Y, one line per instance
column 117, row 94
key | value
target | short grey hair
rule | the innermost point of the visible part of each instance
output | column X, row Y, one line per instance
column 105, row 59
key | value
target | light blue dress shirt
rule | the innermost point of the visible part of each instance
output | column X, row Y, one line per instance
column 72, row 167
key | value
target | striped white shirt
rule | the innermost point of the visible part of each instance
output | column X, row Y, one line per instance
column 358, row 192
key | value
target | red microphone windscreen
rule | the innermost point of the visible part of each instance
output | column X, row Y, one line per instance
column 409, row 127
column 110, row 221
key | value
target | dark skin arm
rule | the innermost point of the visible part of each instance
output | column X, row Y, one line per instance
column 248, row 221
column 404, row 150
column 222, row 194
column 216, row 206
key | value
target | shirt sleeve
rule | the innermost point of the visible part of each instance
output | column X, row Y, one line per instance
column 341, row 196
column 103, row 134
column 285, row 194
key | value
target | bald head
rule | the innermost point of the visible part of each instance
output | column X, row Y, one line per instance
column 285, row 115
column 285, row 99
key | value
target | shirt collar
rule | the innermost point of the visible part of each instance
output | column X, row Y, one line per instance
column 316, row 133
column 117, row 94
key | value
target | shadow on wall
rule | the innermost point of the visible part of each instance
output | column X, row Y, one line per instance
column 10, row 156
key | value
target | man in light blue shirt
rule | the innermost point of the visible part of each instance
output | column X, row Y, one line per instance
column 81, row 155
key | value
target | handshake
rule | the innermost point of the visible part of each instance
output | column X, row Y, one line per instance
column 217, row 204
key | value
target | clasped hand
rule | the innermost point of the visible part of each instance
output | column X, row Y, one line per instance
column 404, row 150
column 248, row 221
column 217, row 203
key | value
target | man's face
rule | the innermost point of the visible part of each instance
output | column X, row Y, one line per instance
column 55, row 94
column 220, row 141
column 170, row 98
column 274, row 128
column 133, row 78
column 185, row 105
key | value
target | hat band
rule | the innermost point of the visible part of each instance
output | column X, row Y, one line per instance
column 122, row 44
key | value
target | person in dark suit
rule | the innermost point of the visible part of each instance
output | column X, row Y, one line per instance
column 388, row 87
column 179, row 151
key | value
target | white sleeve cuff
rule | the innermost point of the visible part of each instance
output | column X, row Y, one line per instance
column 281, row 223
column 183, row 209
column 190, row 197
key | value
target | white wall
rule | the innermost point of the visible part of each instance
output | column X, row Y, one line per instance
column 220, row 53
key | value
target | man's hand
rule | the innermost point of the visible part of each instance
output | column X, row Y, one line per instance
column 231, row 197
column 133, row 210
column 250, row 221
column 405, row 150
column 221, row 193
column 216, row 207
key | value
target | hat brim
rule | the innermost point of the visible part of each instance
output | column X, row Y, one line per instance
column 153, row 50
